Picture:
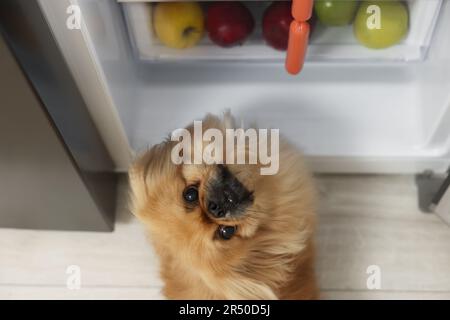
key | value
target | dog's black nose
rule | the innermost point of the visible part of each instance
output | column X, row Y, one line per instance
column 215, row 209
column 226, row 196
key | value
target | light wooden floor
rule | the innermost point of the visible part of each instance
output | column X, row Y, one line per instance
column 364, row 220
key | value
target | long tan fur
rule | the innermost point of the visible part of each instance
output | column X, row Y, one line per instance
column 272, row 255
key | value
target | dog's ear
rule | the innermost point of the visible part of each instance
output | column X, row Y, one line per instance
column 136, row 180
column 228, row 120
column 211, row 121
column 142, row 174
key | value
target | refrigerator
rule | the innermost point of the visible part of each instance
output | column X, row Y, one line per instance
column 350, row 110
column 55, row 172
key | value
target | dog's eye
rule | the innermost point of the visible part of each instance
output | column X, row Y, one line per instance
column 226, row 232
column 190, row 194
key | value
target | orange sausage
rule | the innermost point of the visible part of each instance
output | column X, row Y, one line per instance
column 302, row 9
column 297, row 44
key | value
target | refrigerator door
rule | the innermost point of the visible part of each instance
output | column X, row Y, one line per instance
column 55, row 172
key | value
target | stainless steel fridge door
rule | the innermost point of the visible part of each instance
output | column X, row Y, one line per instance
column 55, row 172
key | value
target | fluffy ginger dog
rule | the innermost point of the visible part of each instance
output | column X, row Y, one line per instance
column 226, row 231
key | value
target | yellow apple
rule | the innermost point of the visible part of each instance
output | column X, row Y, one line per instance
column 392, row 19
column 178, row 24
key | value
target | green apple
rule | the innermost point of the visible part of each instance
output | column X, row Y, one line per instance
column 335, row 12
column 380, row 24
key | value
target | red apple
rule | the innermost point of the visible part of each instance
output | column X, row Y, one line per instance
column 228, row 23
column 276, row 21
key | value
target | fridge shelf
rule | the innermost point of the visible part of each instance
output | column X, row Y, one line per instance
column 326, row 43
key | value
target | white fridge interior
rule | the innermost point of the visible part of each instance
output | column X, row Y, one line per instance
column 351, row 109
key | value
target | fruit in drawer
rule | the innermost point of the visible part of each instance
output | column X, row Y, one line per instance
column 229, row 23
column 335, row 12
column 276, row 21
column 381, row 24
column 178, row 24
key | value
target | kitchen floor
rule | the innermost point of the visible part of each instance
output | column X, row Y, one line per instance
column 365, row 222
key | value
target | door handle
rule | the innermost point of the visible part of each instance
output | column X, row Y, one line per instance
column 298, row 35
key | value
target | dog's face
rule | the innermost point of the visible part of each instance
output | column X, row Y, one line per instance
column 219, row 195
column 196, row 209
